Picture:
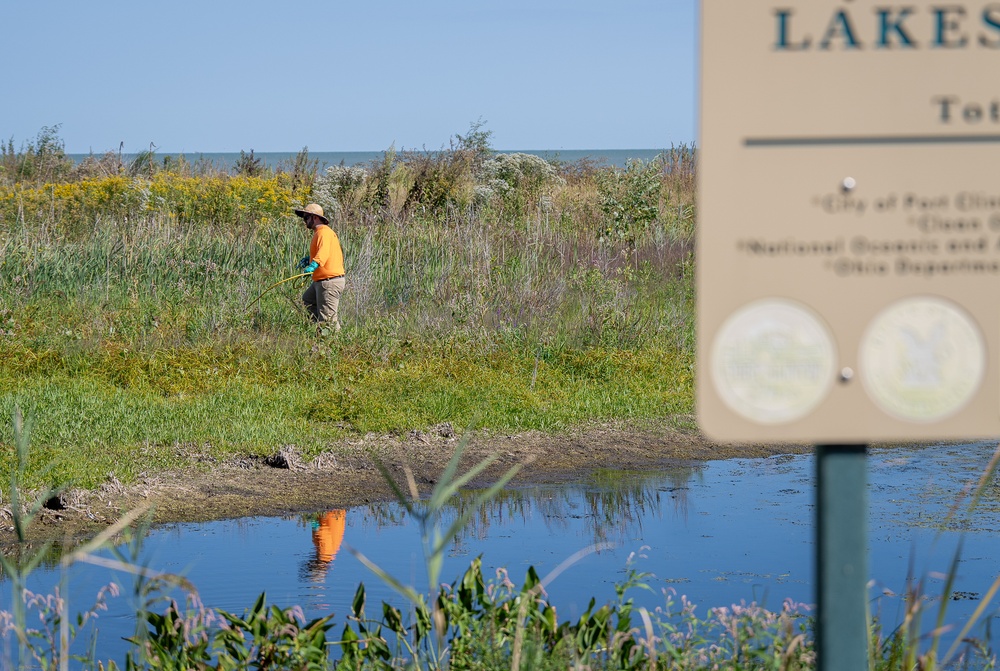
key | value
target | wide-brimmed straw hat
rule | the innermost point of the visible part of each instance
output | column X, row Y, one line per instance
column 315, row 210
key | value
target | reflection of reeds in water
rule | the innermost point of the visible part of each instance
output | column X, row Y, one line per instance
column 622, row 499
column 612, row 505
column 380, row 515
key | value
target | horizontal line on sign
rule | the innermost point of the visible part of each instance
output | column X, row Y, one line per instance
column 845, row 140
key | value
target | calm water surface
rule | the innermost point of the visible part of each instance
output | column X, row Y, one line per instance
column 720, row 533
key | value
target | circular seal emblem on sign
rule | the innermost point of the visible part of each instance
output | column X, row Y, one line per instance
column 922, row 359
column 773, row 361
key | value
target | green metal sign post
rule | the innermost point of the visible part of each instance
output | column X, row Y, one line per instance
column 841, row 557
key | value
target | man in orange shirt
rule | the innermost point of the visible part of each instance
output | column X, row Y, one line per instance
column 326, row 263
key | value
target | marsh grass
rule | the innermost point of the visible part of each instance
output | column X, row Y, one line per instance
column 124, row 306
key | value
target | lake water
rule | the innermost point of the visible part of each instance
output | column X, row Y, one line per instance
column 718, row 532
column 226, row 160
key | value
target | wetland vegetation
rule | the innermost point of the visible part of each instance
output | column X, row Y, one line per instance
column 494, row 291
column 486, row 290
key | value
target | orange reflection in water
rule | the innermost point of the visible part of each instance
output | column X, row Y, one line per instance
column 328, row 534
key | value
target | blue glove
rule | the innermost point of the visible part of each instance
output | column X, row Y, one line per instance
column 303, row 262
column 311, row 267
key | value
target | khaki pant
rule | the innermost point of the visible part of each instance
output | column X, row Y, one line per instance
column 322, row 300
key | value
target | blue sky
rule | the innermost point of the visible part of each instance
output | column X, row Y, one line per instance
column 333, row 75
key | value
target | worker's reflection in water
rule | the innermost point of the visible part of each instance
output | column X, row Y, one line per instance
column 327, row 535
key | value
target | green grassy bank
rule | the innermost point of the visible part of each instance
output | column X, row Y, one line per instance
column 489, row 290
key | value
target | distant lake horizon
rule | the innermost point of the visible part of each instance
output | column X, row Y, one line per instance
column 273, row 159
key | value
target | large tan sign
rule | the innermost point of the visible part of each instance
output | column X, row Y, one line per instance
column 849, row 221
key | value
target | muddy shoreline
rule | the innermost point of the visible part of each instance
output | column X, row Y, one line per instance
column 347, row 475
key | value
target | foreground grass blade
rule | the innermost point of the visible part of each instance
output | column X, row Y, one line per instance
column 983, row 603
column 405, row 590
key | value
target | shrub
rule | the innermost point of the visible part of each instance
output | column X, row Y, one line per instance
column 43, row 160
column 439, row 179
column 518, row 181
column 629, row 200
column 108, row 164
column 448, row 177
column 248, row 166
column 341, row 188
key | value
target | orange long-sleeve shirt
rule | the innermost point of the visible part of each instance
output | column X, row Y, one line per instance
column 324, row 249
